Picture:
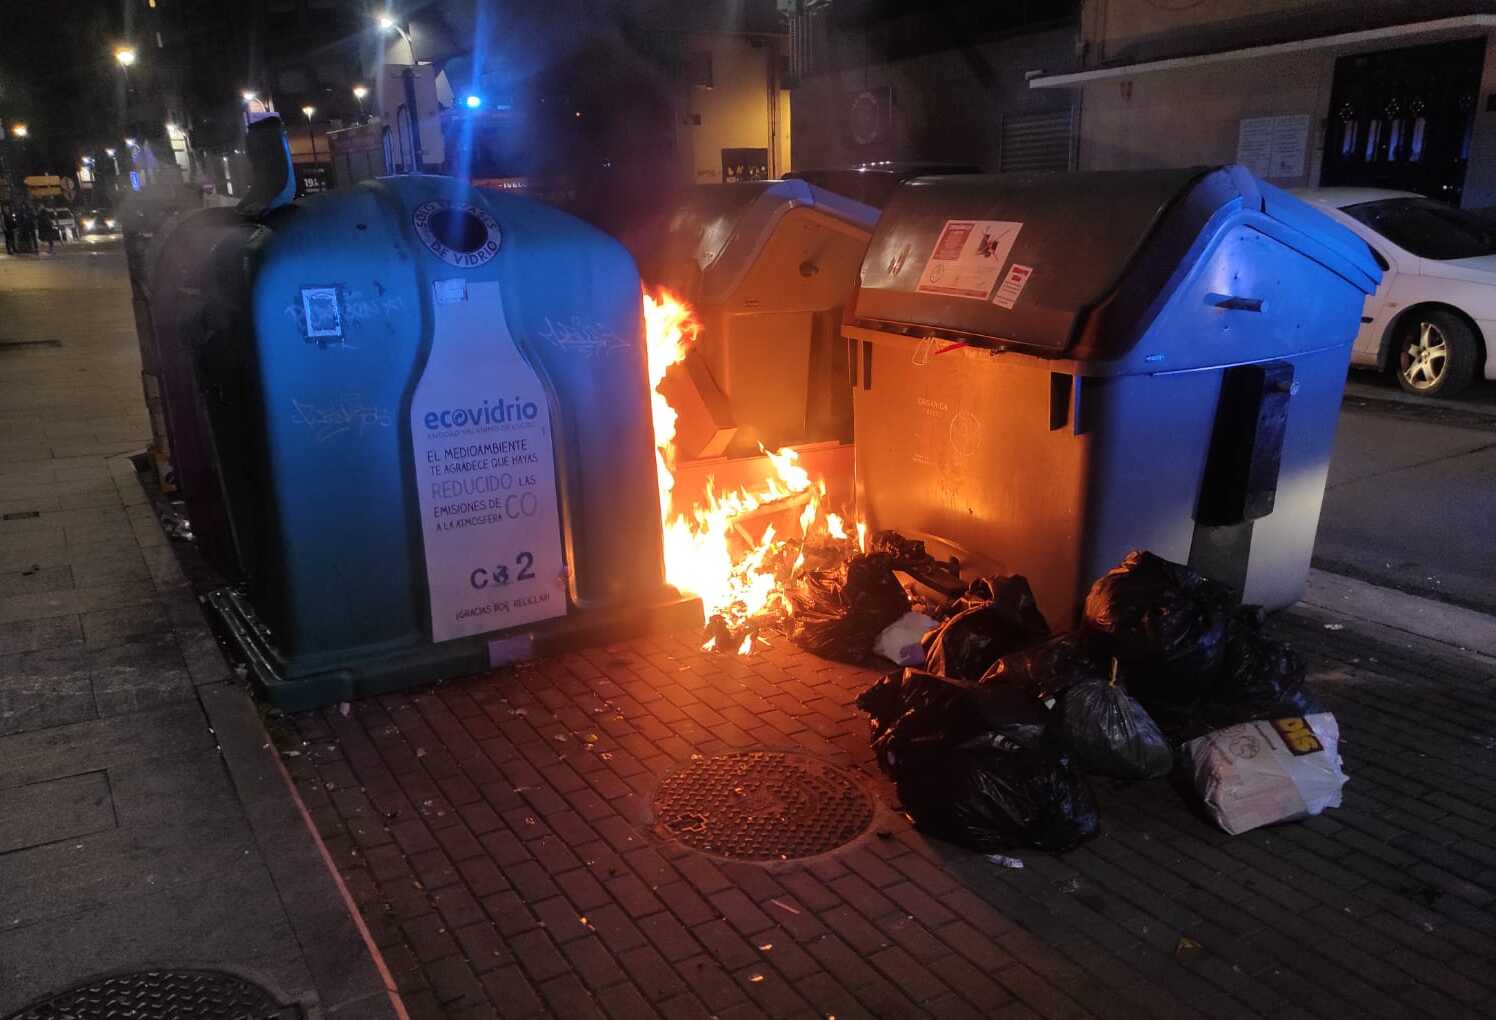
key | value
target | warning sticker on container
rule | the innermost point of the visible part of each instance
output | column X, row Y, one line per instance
column 968, row 257
column 485, row 472
column 1012, row 286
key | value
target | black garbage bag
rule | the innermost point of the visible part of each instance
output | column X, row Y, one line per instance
column 839, row 613
column 914, row 711
column 1111, row 734
column 997, row 791
column 1261, row 679
column 1044, row 670
column 1164, row 619
column 910, row 556
column 998, row 615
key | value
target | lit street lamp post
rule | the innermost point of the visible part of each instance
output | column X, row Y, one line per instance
column 311, row 132
column 389, row 24
column 125, row 57
column 359, row 92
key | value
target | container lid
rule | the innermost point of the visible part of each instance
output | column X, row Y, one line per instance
column 722, row 228
column 1071, row 264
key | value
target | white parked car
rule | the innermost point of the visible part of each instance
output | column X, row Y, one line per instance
column 65, row 225
column 1433, row 319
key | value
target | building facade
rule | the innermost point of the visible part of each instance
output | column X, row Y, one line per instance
column 1305, row 92
column 944, row 82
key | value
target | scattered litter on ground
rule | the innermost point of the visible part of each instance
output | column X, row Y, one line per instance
column 1268, row 771
column 997, row 615
column 1164, row 620
column 1045, row 670
column 988, row 743
column 1185, row 946
column 839, row 612
column 910, row 556
column 1334, row 626
column 175, row 523
column 902, row 641
column 1111, row 734
column 1003, row 861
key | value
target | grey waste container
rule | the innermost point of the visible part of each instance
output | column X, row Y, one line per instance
column 767, row 267
column 1050, row 370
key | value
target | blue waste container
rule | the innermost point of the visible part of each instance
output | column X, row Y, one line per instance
column 427, row 409
column 1052, row 369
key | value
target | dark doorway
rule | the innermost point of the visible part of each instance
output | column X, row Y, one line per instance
column 1402, row 119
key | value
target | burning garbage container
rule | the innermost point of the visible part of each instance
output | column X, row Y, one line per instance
column 1051, row 370
column 768, row 267
column 428, row 416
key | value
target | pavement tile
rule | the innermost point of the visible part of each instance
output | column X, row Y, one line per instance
column 902, row 924
column 512, row 994
column 595, row 963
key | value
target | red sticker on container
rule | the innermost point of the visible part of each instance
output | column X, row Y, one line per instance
column 1012, row 286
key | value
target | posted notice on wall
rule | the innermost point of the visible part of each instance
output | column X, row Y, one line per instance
column 1273, row 146
column 968, row 257
column 486, row 473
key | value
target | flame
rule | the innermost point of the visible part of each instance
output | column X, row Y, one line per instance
column 709, row 552
column 669, row 330
column 835, row 528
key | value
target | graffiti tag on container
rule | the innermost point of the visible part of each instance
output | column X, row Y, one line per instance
column 581, row 338
column 350, row 414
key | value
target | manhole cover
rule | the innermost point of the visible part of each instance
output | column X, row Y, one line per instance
column 762, row 806
column 162, row 995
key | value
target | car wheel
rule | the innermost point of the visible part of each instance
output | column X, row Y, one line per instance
column 1436, row 353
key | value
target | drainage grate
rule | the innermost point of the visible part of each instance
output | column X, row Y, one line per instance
column 762, row 806
column 162, row 995
column 23, row 345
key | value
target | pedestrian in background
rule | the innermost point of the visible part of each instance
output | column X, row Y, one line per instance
column 46, row 230
column 9, row 221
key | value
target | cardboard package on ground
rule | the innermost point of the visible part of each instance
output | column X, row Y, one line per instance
column 1267, row 771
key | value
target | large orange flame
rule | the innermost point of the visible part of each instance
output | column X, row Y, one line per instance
column 708, row 550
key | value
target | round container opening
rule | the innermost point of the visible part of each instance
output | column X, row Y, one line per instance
column 458, row 230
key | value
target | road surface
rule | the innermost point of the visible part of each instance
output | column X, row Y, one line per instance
column 1411, row 501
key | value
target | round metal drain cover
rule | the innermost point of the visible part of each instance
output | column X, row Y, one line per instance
column 162, row 995
column 762, row 806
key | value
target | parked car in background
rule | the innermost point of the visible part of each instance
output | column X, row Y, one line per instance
column 1433, row 319
column 98, row 221
column 65, row 223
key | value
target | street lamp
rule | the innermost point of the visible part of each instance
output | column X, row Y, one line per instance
column 111, row 154
column 125, row 57
column 20, row 130
column 388, row 24
column 359, row 92
column 130, row 144
column 309, row 110
column 249, row 96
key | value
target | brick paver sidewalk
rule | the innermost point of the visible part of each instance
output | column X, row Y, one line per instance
column 496, row 832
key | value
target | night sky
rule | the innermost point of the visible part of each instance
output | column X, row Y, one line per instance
column 58, row 75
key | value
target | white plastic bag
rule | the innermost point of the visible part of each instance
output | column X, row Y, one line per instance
column 1271, row 770
column 900, row 640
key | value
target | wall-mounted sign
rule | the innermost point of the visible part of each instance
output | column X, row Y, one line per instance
column 1273, row 147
